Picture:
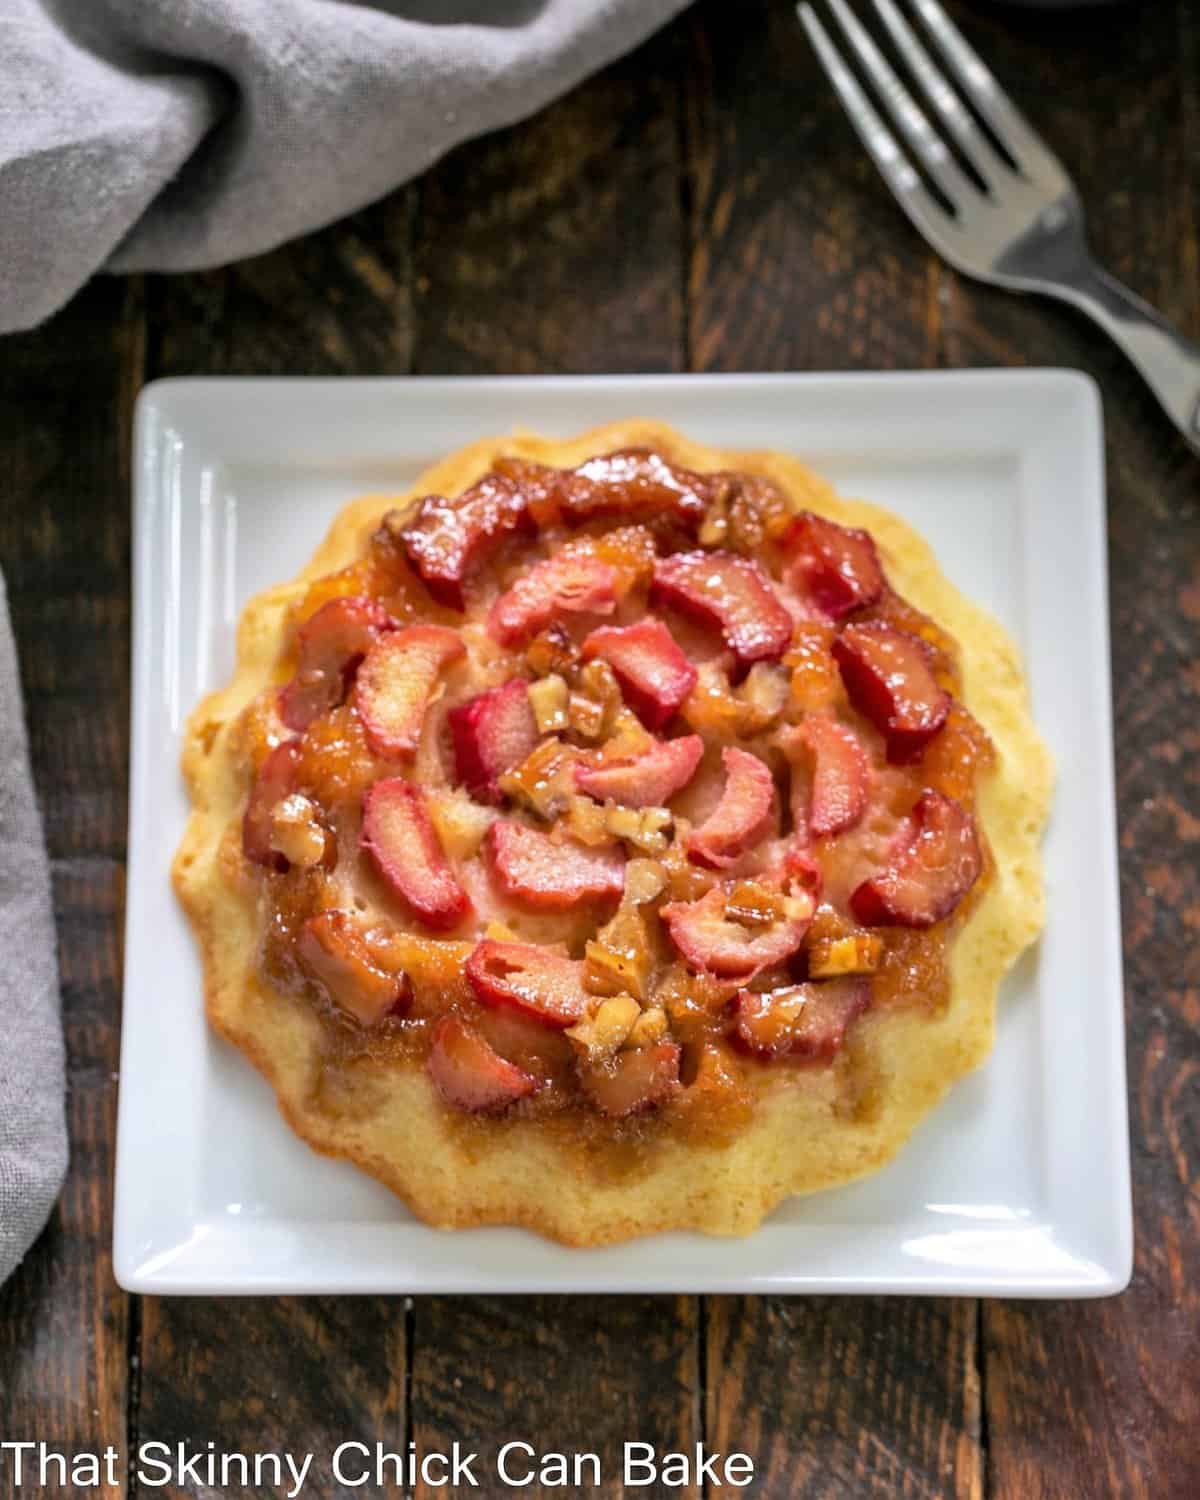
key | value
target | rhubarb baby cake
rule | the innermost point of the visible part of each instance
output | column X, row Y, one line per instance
column 613, row 836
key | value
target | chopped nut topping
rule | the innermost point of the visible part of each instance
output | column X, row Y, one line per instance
column 585, row 821
column 551, row 651
column 650, row 1026
column 644, row 880
column 548, row 697
column 763, row 697
column 754, row 905
column 859, row 953
column 585, row 716
column 602, row 1033
column 297, row 831
column 643, row 827
column 460, row 822
column 543, row 781
column 619, row 957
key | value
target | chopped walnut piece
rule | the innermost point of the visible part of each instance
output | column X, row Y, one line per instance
column 763, row 697
column 548, row 698
column 599, row 1034
column 643, row 827
column 650, row 1027
column 858, row 953
column 752, row 905
column 298, row 833
column 619, row 956
column 585, row 716
column 644, row 880
column 586, row 822
column 551, row 651
column 460, row 821
column 544, row 780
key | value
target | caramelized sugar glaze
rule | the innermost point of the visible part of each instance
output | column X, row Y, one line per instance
column 606, row 794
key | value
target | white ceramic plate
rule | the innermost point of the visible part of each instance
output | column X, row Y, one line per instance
column 1017, row 1185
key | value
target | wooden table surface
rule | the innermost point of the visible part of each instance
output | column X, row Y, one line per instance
column 699, row 206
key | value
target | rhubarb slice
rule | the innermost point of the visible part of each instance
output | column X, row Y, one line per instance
column 836, row 568
column 731, row 593
column 448, row 539
column 334, row 952
column 634, row 1081
column 398, row 834
column 740, row 818
column 569, row 583
column 396, row 681
column 534, row 868
column 649, row 779
column 275, row 780
column 537, row 981
column 331, row 643
column 800, row 1020
column 492, row 734
column 709, row 940
column 654, row 674
column 469, row 1074
column 932, row 864
column 633, row 483
column 833, row 796
column 889, row 677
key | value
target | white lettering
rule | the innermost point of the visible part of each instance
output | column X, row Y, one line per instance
column 339, row 1475
column 648, row 1472
column 502, row 1464
column 163, row 1468
column 745, row 1465
column 462, row 1473
column 299, row 1475
column 17, row 1451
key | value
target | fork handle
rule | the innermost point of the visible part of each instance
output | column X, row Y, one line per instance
column 1168, row 362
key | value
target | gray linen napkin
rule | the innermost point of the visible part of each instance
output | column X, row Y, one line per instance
column 176, row 134
column 33, row 1136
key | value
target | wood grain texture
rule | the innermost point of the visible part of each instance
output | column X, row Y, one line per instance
column 64, row 543
column 565, row 1374
column 338, row 302
column 848, row 1397
column 556, row 247
column 1125, row 1413
column 279, row 1375
column 799, row 259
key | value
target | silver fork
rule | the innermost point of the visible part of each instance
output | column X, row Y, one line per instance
column 1026, row 231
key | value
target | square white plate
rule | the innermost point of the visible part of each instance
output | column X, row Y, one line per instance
column 1017, row 1185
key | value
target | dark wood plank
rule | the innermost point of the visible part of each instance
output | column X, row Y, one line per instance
column 65, row 403
column 848, row 1396
column 562, row 1374
column 338, row 302
column 274, row 1376
column 556, row 246
column 1122, row 1421
column 800, row 260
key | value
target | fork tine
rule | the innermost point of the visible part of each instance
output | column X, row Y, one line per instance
column 1013, row 130
column 905, row 111
column 907, row 188
column 978, row 150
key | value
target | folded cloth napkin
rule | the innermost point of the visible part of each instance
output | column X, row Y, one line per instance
column 175, row 134
column 33, row 1136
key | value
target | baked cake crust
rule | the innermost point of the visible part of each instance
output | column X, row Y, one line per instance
column 456, row 1171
